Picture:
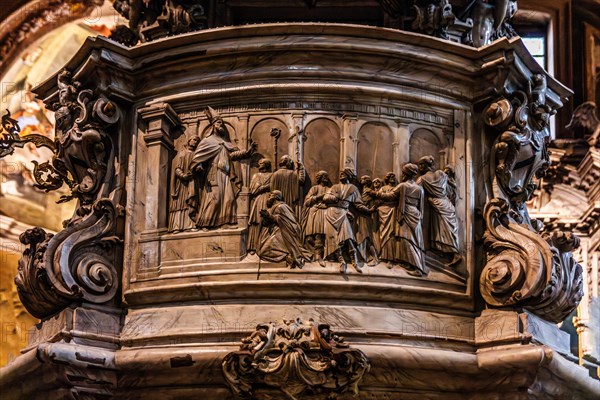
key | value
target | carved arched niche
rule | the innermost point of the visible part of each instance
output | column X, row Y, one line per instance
column 261, row 134
column 375, row 150
column 426, row 142
column 322, row 148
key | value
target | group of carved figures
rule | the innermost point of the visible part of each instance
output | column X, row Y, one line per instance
column 353, row 221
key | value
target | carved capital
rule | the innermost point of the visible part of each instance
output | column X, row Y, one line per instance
column 297, row 359
column 161, row 120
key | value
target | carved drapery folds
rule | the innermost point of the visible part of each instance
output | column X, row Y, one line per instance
column 523, row 269
column 301, row 359
column 77, row 263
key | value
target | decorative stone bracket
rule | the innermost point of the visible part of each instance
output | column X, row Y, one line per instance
column 77, row 264
column 297, row 358
column 523, row 269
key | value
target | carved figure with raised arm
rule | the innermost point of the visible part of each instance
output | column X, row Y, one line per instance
column 259, row 190
column 220, row 180
column 183, row 189
column 314, row 220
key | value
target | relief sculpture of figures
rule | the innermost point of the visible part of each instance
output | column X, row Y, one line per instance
column 282, row 240
column 408, row 229
column 288, row 180
column 315, row 212
column 219, row 179
column 340, row 239
column 365, row 237
column 443, row 221
column 183, row 189
column 386, row 220
column 259, row 190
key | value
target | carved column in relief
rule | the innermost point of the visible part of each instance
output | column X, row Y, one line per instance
column 243, row 200
column 161, row 121
column 298, row 137
column 349, row 142
column 401, row 146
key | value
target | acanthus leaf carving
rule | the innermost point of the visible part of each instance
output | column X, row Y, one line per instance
column 523, row 269
column 76, row 264
column 297, row 358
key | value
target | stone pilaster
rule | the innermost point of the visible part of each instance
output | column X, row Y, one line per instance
column 161, row 121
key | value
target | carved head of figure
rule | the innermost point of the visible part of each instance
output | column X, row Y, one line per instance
column 274, row 197
column 322, row 178
column 409, row 172
column 426, row 164
column 216, row 121
column 66, row 90
column 564, row 241
column 377, row 183
column 347, row 175
column 390, row 179
column 264, row 165
column 192, row 142
column 366, row 181
column 286, row 162
column 449, row 170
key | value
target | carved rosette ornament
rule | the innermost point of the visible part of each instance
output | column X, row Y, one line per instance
column 297, row 358
column 76, row 264
column 523, row 269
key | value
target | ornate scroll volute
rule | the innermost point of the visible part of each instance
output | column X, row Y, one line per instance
column 76, row 264
column 302, row 360
column 523, row 269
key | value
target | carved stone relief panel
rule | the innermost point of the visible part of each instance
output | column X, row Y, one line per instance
column 322, row 147
column 426, row 142
column 272, row 135
column 375, row 153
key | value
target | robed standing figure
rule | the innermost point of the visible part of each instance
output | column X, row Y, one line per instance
column 288, row 181
column 386, row 213
column 259, row 190
column 183, row 189
column 443, row 221
column 408, row 228
column 219, row 179
column 315, row 212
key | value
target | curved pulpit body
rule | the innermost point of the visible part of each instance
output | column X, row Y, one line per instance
column 303, row 211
